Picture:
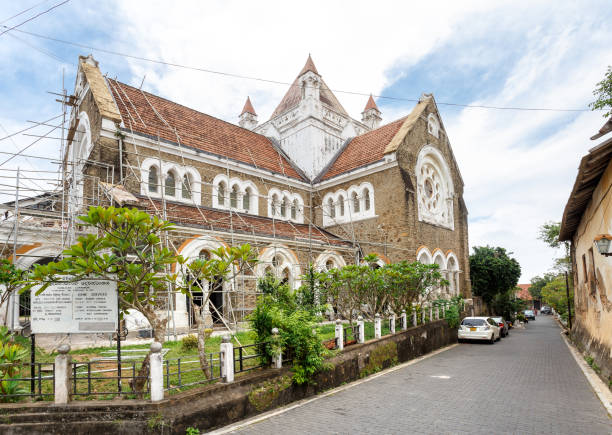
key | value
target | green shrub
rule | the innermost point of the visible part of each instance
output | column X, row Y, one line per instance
column 192, row 431
column 189, row 342
column 452, row 316
column 11, row 356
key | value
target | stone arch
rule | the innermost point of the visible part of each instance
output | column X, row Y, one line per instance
column 323, row 258
column 285, row 259
column 433, row 125
column 452, row 266
column 423, row 255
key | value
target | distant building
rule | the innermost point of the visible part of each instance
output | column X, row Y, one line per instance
column 588, row 218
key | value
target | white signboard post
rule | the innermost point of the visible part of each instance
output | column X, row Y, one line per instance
column 87, row 306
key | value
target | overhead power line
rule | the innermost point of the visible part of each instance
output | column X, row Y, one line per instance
column 277, row 82
column 23, row 12
column 34, row 17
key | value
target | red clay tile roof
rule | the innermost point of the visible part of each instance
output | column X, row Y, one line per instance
column 371, row 104
column 248, row 107
column 294, row 94
column 220, row 220
column 523, row 293
column 196, row 129
column 363, row 150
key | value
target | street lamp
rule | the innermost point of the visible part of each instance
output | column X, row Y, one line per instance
column 604, row 244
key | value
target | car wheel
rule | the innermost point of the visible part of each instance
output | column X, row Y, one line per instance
column 492, row 340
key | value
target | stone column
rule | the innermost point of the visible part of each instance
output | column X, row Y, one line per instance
column 437, row 313
column 227, row 359
column 156, row 372
column 444, row 309
column 339, row 335
column 414, row 316
column 430, row 313
column 360, row 327
column 63, row 366
column 277, row 360
column 404, row 320
column 392, row 323
column 377, row 329
column 423, row 314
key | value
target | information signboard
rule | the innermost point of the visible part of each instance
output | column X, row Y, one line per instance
column 87, row 306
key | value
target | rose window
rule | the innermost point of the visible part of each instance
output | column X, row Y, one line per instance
column 431, row 189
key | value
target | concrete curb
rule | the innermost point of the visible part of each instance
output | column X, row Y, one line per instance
column 597, row 385
column 269, row 414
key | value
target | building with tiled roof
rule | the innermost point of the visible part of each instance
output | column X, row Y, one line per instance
column 311, row 185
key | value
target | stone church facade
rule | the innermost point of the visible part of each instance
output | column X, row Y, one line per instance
column 311, row 185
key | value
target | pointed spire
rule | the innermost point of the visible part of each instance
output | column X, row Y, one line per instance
column 371, row 104
column 248, row 108
column 309, row 66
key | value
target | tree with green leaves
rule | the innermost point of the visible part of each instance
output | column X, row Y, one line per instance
column 554, row 294
column 549, row 234
column 11, row 278
column 205, row 276
column 538, row 283
column 603, row 93
column 126, row 248
column 492, row 272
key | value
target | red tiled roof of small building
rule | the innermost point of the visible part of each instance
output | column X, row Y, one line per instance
column 523, row 293
column 363, row 150
column 248, row 107
column 239, row 223
column 196, row 129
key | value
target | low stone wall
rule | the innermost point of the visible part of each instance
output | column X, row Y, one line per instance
column 221, row 404
column 602, row 355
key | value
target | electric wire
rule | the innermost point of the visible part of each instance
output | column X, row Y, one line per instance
column 34, row 17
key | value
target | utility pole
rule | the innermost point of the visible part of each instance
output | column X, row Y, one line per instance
column 569, row 307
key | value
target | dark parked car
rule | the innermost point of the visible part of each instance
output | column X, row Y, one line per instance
column 546, row 310
column 503, row 325
column 529, row 314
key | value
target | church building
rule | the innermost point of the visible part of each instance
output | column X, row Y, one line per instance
column 310, row 185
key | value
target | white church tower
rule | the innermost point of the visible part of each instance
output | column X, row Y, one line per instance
column 310, row 124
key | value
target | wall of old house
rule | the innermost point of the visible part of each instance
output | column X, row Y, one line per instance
column 592, row 327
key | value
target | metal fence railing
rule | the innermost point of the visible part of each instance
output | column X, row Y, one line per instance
column 102, row 378
column 27, row 380
column 187, row 371
column 247, row 358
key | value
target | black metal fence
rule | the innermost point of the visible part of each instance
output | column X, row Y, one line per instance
column 187, row 371
column 247, row 358
column 107, row 378
column 36, row 381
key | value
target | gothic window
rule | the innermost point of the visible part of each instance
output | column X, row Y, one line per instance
column 204, row 254
column 170, row 184
column 341, row 201
column 285, row 275
column 186, row 188
column 366, row 195
column 221, row 194
column 434, row 188
column 332, row 208
column 234, row 197
column 153, row 179
column 275, row 261
column 274, row 204
column 433, row 125
column 329, row 265
column 355, row 202
column 284, row 207
column 294, row 208
column 246, row 199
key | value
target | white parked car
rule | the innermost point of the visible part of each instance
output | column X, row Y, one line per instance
column 479, row 328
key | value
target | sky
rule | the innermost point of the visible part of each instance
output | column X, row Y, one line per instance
column 518, row 166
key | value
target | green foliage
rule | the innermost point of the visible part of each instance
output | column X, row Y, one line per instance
column 314, row 290
column 278, row 292
column 189, row 342
column 538, row 283
column 555, row 295
column 492, row 271
column 296, row 338
column 505, row 305
column 452, row 316
column 11, row 356
column 10, row 278
column 549, row 234
column 192, row 431
column 603, row 92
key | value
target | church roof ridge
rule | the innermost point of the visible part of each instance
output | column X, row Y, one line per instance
column 248, row 107
column 371, row 104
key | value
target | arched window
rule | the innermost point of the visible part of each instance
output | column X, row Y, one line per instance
column 170, row 185
column 274, row 204
column 366, row 195
column 355, row 202
column 284, row 207
column 246, row 199
column 221, row 194
column 329, row 265
column 186, row 190
column 204, row 254
column 341, row 201
column 294, row 209
column 234, row 197
column 275, row 261
column 332, row 208
column 153, row 179
column 433, row 125
column 285, row 275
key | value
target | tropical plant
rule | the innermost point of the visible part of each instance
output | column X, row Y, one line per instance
column 11, row 279
column 11, row 357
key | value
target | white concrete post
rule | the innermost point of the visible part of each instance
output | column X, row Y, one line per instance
column 361, row 329
column 404, row 320
column 437, row 313
column 339, row 334
column 277, row 360
column 392, row 323
column 430, row 313
column 226, row 355
column 63, row 365
column 423, row 314
column 156, row 372
column 444, row 310
column 377, row 328
column 414, row 317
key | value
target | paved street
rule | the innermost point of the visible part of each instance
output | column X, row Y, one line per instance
column 526, row 383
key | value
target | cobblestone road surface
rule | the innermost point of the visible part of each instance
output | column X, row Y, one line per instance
column 526, row 383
